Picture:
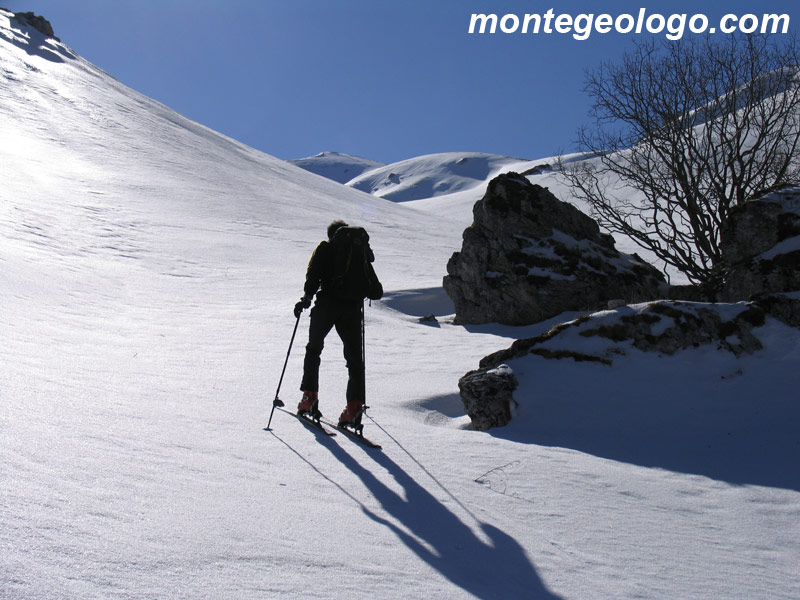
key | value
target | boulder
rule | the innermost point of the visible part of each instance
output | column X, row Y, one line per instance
column 784, row 307
column 487, row 396
column 528, row 256
column 760, row 247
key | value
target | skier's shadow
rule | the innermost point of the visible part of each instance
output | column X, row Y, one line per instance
column 497, row 569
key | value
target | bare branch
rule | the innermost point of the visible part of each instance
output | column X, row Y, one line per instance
column 689, row 130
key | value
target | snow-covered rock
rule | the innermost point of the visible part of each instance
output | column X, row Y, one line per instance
column 760, row 246
column 528, row 257
column 662, row 326
column 783, row 307
column 37, row 22
column 487, row 394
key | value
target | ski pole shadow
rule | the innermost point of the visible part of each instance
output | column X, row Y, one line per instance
column 323, row 440
column 499, row 568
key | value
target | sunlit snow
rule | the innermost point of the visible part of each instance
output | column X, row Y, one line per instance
column 148, row 271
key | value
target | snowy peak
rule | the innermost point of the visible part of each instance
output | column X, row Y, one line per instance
column 433, row 175
column 416, row 178
column 336, row 166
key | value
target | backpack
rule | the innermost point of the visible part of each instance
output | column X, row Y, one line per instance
column 353, row 275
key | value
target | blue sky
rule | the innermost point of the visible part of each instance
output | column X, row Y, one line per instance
column 386, row 80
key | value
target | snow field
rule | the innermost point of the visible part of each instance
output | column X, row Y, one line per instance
column 148, row 269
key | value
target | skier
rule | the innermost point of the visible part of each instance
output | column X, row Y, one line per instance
column 341, row 270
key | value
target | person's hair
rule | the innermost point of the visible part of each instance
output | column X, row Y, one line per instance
column 334, row 227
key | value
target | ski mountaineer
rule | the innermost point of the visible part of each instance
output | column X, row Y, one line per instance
column 341, row 271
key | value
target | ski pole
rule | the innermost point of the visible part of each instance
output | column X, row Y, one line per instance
column 363, row 360
column 363, row 345
column 278, row 402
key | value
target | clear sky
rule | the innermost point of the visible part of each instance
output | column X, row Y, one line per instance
column 382, row 79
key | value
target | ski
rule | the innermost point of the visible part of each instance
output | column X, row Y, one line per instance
column 355, row 434
column 308, row 422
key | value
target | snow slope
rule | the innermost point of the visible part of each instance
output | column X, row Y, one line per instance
column 148, row 268
column 433, row 175
column 336, row 166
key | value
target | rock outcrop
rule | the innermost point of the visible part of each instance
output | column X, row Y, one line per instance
column 783, row 307
column 663, row 327
column 38, row 22
column 760, row 247
column 528, row 257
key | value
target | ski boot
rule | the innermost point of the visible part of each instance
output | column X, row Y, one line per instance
column 351, row 416
column 309, row 406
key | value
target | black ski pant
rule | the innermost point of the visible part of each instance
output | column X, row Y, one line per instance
column 346, row 316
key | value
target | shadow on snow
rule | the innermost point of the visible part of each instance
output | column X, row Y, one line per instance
column 731, row 428
column 498, row 569
column 36, row 43
column 420, row 302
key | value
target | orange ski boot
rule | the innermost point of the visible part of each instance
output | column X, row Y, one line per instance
column 351, row 416
column 309, row 405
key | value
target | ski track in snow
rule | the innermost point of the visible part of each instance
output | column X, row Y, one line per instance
column 148, row 269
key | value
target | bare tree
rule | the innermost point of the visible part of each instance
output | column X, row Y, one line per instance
column 683, row 132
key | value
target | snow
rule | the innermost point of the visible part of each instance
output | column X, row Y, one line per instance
column 434, row 175
column 336, row 166
column 148, row 270
column 789, row 199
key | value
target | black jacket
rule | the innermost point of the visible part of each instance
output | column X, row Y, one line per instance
column 320, row 272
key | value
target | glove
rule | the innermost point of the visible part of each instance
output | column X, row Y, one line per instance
column 305, row 302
